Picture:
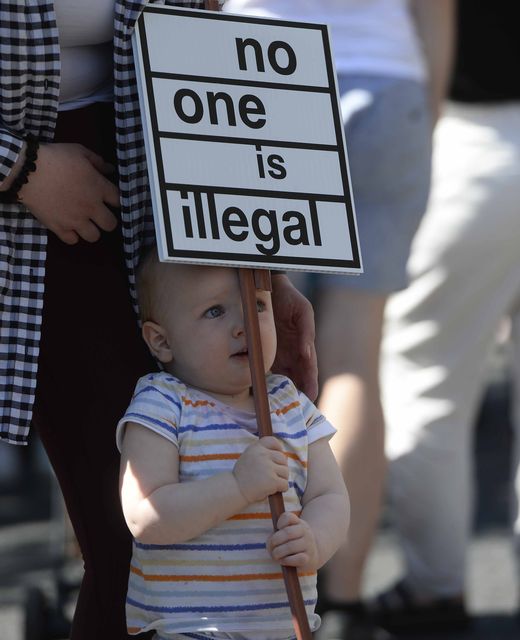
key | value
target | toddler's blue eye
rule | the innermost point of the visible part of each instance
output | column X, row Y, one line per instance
column 214, row 312
column 260, row 305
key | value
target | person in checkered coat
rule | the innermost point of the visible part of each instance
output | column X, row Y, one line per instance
column 74, row 216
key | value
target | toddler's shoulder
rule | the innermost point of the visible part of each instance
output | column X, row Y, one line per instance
column 280, row 387
column 160, row 385
column 161, row 379
column 156, row 405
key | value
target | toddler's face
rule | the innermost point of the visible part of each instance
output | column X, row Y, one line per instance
column 204, row 324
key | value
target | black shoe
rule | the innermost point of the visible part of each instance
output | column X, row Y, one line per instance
column 340, row 625
column 399, row 612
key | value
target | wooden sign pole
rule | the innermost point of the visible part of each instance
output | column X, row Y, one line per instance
column 250, row 281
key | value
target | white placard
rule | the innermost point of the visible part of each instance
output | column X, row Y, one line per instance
column 244, row 141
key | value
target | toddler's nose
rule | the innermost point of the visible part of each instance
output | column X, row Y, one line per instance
column 239, row 327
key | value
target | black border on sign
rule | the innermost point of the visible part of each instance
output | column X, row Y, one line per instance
column 240, row 191
column 161, row 75
column 249, row 141
column 338, row 123
column 338, row 126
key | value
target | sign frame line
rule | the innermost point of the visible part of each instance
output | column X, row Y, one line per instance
column 162, row 75
column 171, row 135
column 231, row 259
column 286, row 195
column 233, row 17
column 343, row 159
column 155, row 141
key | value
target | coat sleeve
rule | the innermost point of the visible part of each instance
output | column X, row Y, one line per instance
column 10, row 147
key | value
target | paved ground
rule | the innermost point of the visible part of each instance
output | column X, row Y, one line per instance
column 31, row 543
column 492, row 593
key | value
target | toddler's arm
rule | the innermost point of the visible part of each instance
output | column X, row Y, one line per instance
column 308, row 541
column 160, row 510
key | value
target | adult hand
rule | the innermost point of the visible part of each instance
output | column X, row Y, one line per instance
column 294, row 319
column 69, row 193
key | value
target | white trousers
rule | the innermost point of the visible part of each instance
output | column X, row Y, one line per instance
column 465, row 276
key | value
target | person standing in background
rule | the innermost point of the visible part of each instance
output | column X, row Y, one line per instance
column 392, row 59
column 465, row 278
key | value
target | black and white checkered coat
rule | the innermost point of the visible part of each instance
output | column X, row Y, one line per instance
column 29, row 92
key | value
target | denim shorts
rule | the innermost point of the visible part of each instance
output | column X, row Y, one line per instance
column 388, row 135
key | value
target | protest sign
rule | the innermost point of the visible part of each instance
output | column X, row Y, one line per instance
column 244, row 142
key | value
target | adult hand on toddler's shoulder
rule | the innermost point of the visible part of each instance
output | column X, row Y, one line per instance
column 293, row 544
column 262, row 470
column 69, row 193
column 296, row 353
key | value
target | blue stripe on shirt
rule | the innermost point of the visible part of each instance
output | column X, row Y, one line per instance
column 161, row 393
column 200, row 547
column 282, row 384
column 220, row 609
column 224, row 426
column 150, row 420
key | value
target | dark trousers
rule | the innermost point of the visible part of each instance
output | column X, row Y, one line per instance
column 91, row 355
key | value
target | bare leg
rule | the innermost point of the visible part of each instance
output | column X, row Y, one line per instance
column 348, row 341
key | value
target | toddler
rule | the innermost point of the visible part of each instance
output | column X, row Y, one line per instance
column 195, row 476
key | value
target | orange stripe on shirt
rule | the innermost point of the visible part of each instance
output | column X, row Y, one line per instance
column 293, row 456
column 233, row 456
column 265, row 515
column 239, row 577
column 211, row 456
column 197, row 403
column 251, row 516
column 287, row 408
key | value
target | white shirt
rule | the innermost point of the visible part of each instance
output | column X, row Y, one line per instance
column 374, row 37
column 86, row 31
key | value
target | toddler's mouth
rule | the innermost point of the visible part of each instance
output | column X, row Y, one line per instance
column 240, row 354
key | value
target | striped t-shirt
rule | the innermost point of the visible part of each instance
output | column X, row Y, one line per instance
column 224, row 580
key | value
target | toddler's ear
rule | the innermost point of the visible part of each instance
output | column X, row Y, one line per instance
column 155, row 337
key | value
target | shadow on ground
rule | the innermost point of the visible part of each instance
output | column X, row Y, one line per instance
column 483, row 627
